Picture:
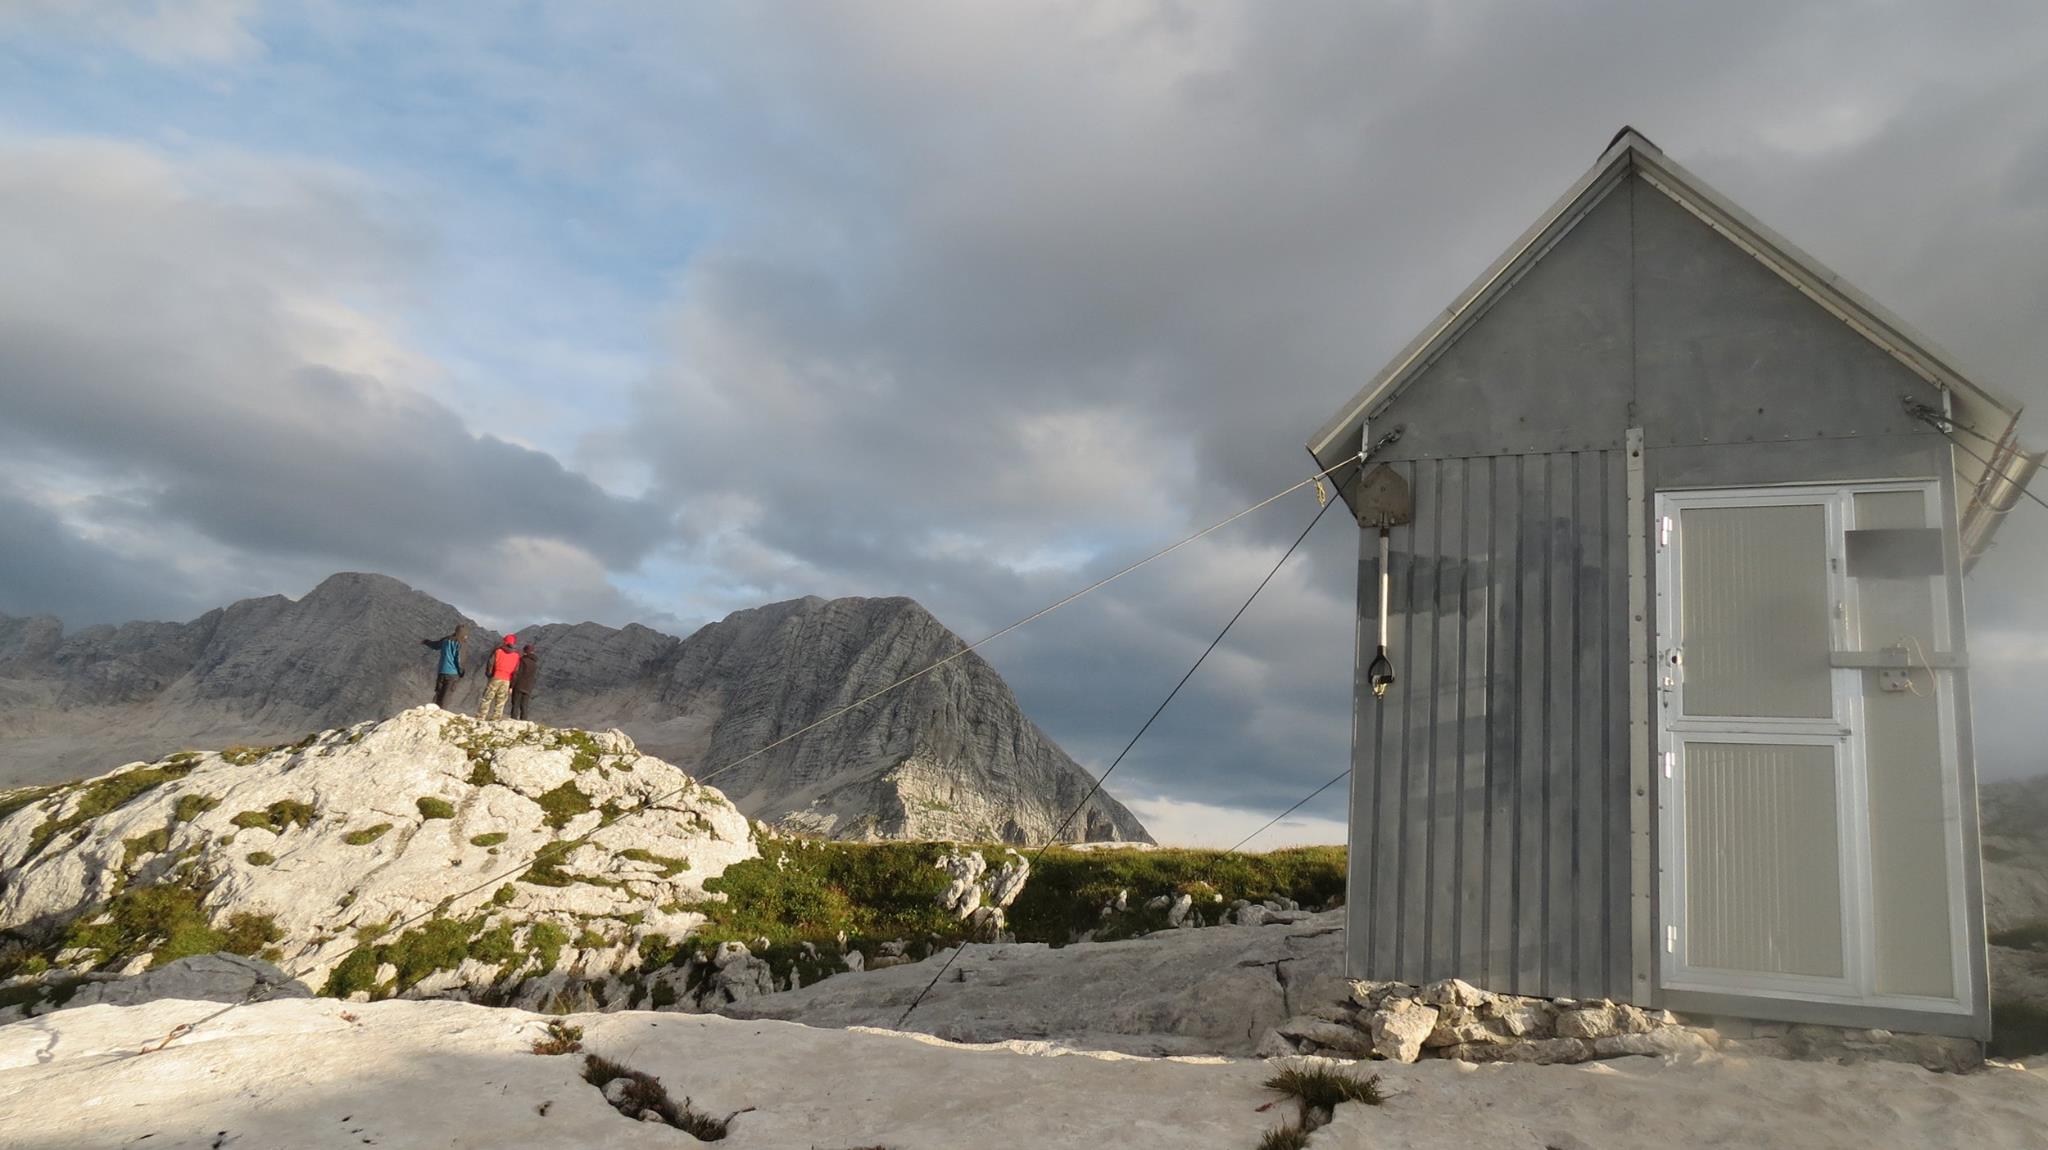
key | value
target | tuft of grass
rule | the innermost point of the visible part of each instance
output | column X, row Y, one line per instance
column 103, row 796
column 588, row 939
column 1288, row 1136
column 488, row 840
column 481, row 774
column 433, row 808
column 670, row 866
column 191, row 806
column 2019, row 1028
column 242, row 756
column 366, row 836
column 584, row 748
column 562, row 804
column 1322, row 1088
column 647, row 1093
column 249, row 933
column 504, row 895
column 261, row 858
column 278, row 817
column 356, row 972
column 155, row 842
column 562, row 1038
column 547, row 866
column 547, row 941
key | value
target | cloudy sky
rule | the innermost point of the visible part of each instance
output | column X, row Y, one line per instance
column 654, row 311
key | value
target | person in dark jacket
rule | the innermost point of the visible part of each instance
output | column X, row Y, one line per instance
column 450, row 648
column 522, row 680
column 502, row 664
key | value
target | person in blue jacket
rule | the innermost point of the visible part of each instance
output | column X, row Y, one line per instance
column 450, row 647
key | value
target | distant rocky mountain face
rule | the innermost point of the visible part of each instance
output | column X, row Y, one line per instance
column 950, row 755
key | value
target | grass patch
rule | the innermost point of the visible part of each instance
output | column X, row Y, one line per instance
column 278, row 817
column 261, row 858
column 647, row 1093
column 1322, row 1088
column 2026, row 936
column 488, row 840
column 670, row 867
column 585, row 753
column 547, row 941
column 249, row 933
column 357, row 972
column 366, row 836
column 588, row 939
column 562, row 1038
column 1068, row 888
column 2019, row 1029
column 433, row 808
column 437, row 944
column 167, row 921
column 546, row 869
column 481, row 774
column 504, row 895
column 562, row 804
column 191, row 806
column 155, row 842
column 1289, row 1136
column 103, row 796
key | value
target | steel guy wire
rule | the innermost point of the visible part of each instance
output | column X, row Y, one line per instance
column 1156, row 712
column 1290, row 810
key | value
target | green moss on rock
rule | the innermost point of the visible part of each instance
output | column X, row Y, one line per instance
column 278, row 817
column 261, row 858
column 366, row 836
column 562, row 804
column 435, row 808
column 191, row 806
column 103, row 796
column 155, row 842
column 488, row 840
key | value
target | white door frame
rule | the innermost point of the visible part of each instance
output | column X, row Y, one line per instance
column 1843, row 729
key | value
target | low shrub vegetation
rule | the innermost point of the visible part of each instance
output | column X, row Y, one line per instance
column 561, row 1038
column 645, row 1092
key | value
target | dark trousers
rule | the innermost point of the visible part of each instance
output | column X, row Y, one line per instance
column 444, row 686
column 519, row 701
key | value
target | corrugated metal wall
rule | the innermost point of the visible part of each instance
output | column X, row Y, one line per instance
column 1490, row 800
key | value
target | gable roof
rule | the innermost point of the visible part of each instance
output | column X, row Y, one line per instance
column 1988, row 491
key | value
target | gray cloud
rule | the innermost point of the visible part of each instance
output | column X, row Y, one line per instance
column 1070, row 280
column 190, row 340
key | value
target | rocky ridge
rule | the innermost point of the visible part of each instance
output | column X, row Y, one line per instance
column 429, row 855
column 950, row 755
column 310, row 856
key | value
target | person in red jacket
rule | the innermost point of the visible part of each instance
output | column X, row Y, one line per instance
column 500, row 667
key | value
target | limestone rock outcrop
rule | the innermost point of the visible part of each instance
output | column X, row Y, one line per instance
column 386, row 858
